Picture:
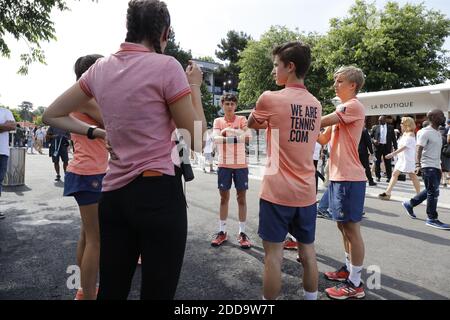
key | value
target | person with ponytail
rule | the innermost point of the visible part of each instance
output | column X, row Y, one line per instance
column 144, row 96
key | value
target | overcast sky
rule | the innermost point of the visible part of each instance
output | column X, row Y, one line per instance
column 199, row 25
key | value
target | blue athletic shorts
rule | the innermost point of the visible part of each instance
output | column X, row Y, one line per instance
column 275, row 221
column 86, row 189
column 347, row 201
column 227, row 175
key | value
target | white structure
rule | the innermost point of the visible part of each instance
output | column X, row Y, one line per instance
column 208, row 69
column 411, row 101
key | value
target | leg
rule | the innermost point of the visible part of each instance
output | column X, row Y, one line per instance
column 242, row 203
column 224, row 201
column 393, row 182
column 80, row 246
column 432, row 178
column 415, row 181
column 91, row 254
column 3, row 168
column 119, row 247
column 378, row 155
column 272, row 269
column 352, row 233
column 307, row 254
column 161, row 228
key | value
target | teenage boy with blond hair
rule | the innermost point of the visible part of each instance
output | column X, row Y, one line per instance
column 288, row 198
column 347, row 180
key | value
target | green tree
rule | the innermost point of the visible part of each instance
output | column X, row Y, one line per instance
column 28, row 21
column 230, row 49
column 173, row 49
column 256, row 63
column 25, row 111
column 15, row 113
column 39, row 111
column 396, row 47
column 208, row 107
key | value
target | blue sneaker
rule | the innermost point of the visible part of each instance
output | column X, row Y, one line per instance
column 435, row 223
column 409, row 209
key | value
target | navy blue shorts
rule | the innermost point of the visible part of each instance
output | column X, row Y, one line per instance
column 227, row 175
column 347, row 201
column 86, row 189
column 275, row 221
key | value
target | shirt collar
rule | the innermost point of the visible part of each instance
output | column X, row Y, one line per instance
column 134, row 47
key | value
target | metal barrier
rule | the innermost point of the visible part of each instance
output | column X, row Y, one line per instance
column 15, row 173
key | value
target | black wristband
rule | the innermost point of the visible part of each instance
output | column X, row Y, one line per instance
column 90, row 132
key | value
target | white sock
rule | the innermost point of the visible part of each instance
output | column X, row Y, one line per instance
column 311, row 295
column 355, row 275
column 241, row 227
column 223, row 226
column 264, row 298
column 347, row 261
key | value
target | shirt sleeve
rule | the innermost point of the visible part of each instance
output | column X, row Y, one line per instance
column 350, row 112
column 87, row 80
column 9, row 116
column 175, row 82
column 422, row 139
column 261, row 113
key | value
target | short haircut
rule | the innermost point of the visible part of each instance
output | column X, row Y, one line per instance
column 84, row 63
column 352, row 74
column 409, row 124
column 229, row 97
column 296, row 52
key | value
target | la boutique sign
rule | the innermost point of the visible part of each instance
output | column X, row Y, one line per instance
column 390, row 106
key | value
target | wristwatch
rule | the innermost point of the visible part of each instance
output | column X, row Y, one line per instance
column 90, row 132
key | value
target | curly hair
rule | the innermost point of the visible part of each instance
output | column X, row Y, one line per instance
column 146, row 20
column 84, row 63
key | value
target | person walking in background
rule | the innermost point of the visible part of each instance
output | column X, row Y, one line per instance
column 384, row 139
column 364, row 148
column 59, row 144
column 7, row 124
column 428, row 160
column 406, row 153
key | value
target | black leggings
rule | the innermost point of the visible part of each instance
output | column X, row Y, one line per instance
column 147, row 217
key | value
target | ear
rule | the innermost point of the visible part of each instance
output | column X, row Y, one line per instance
column 165, row 34
column 291, row 67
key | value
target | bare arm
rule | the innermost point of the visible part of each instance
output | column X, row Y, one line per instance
column 325, row 137
column 329, row 120
column 253, row 124
column 92, row 109
column 419, row 157
column 58, row 113
column 7, row 126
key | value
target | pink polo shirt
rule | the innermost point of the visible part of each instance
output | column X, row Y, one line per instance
column 134, row 88
column 293, row 116
column 344, row 164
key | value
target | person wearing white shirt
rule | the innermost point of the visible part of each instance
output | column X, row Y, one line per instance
column 7, row 123
column 384, row 139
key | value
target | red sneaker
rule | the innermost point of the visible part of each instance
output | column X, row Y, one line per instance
column 346, row 290
column 338, row 275
column 221, row 237
column 289, row 244
column 244, row 242
column 80, row 295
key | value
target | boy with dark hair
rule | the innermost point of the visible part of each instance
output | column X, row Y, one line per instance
column 347, row 180
column 288, row 198
column 230, row 134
